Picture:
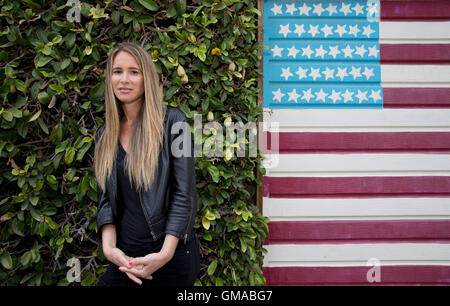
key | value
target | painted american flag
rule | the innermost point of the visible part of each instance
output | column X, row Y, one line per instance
column 359, row 159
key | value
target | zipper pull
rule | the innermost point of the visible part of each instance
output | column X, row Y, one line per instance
column 185, row 238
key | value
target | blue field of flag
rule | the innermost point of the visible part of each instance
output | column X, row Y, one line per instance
column 322, row 54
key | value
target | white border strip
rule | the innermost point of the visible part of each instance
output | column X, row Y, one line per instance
column 363, row 120
column 356, row 209
column 397, row 31
column 280, row 255
column 429, row 75
column 345, row 165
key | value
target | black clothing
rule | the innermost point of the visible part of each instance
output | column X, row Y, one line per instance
column 132, row 229
column 181, row 270
column 170, row 205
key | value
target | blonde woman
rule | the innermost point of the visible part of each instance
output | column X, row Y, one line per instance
column 145, row 174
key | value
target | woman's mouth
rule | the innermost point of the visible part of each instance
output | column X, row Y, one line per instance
column 125, row 90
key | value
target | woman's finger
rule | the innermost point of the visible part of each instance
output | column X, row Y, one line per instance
column 134, row 278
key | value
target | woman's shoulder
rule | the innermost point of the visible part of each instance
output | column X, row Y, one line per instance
column 174, row 114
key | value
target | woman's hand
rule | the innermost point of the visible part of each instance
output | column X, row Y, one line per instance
column 117, row 257
column 144, row 267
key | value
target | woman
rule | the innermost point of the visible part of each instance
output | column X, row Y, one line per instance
column 147, row 196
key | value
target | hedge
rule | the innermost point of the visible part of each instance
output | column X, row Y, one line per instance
column 52, row 72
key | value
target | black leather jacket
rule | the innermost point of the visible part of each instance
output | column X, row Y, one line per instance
column 170, row 205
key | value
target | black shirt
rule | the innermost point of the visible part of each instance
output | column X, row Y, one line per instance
column 132, row 229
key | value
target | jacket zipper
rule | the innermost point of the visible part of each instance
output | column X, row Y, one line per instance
column 189, row 223
column 146, row 218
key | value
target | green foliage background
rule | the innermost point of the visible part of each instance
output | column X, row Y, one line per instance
column 51, row 94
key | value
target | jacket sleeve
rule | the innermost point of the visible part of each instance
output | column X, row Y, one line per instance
column 104, row 211
column 182, row 208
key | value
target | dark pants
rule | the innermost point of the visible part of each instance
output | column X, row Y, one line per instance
column 181, row 270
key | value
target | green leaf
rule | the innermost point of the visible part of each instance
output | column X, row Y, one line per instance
column 214, row 172
column 212, row 267
column 42, row 125
column 35, row 116
column 206, row 224
column 149, row 4
column 84, row 184
column 69, row 156
column 52, row 179
column 6, row 261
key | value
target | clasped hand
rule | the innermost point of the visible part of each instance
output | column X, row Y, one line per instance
column 139, row 267
column 144, row 267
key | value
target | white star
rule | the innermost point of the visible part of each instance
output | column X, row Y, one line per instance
column 361, row 96
column 321, row 95
column 276, row 51
column 342, row 72
column 301, row 73
column 290, row 8
column 307, row 95
column 331, row 9
column 373, row 51
column 368, row 72
column 348, row 51
column 277, row 95
column 334, row 51
column 293, row 52
column 284, row 30
column 347, row 95
column 277, row 9
column 299, row 29
column 304, row 9
column 327, row 30
column 286, row 73
column 313, row 30
column 335, row 96
column 307, row 51
column 328, row 73
column 372, row 9
column 315, row 73
column 358, row 8
column 341, row 30
column 320, row 51
column 354, row 30
column 360, row 50
column 355, row 72
column 318, row 9
column 293, row 95
column 367, row 31
column 345, row 9
column 375, row 95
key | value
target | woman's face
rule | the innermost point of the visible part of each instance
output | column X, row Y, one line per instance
column 127, row 78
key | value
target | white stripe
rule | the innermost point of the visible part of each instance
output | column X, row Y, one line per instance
column 344, row 165
column 436, row 75
column 352, row 120
column 356, row 254
column 423, row 31
column 356, row 209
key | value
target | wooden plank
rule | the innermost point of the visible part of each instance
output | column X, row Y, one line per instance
column 415, row 53
column 350, row 231
column 353, row 187
column 360, row 142
column 353, row 275
column 370, row 209
column 415, row 10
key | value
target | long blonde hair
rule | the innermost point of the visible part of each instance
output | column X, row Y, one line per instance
column 141, row 160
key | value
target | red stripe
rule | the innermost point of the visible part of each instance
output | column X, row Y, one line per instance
column 288, row 232
column 357, row 275
column 415, row 53
column 338, row 142
column 416, row 97
column 415, row 10
column 346, row 187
